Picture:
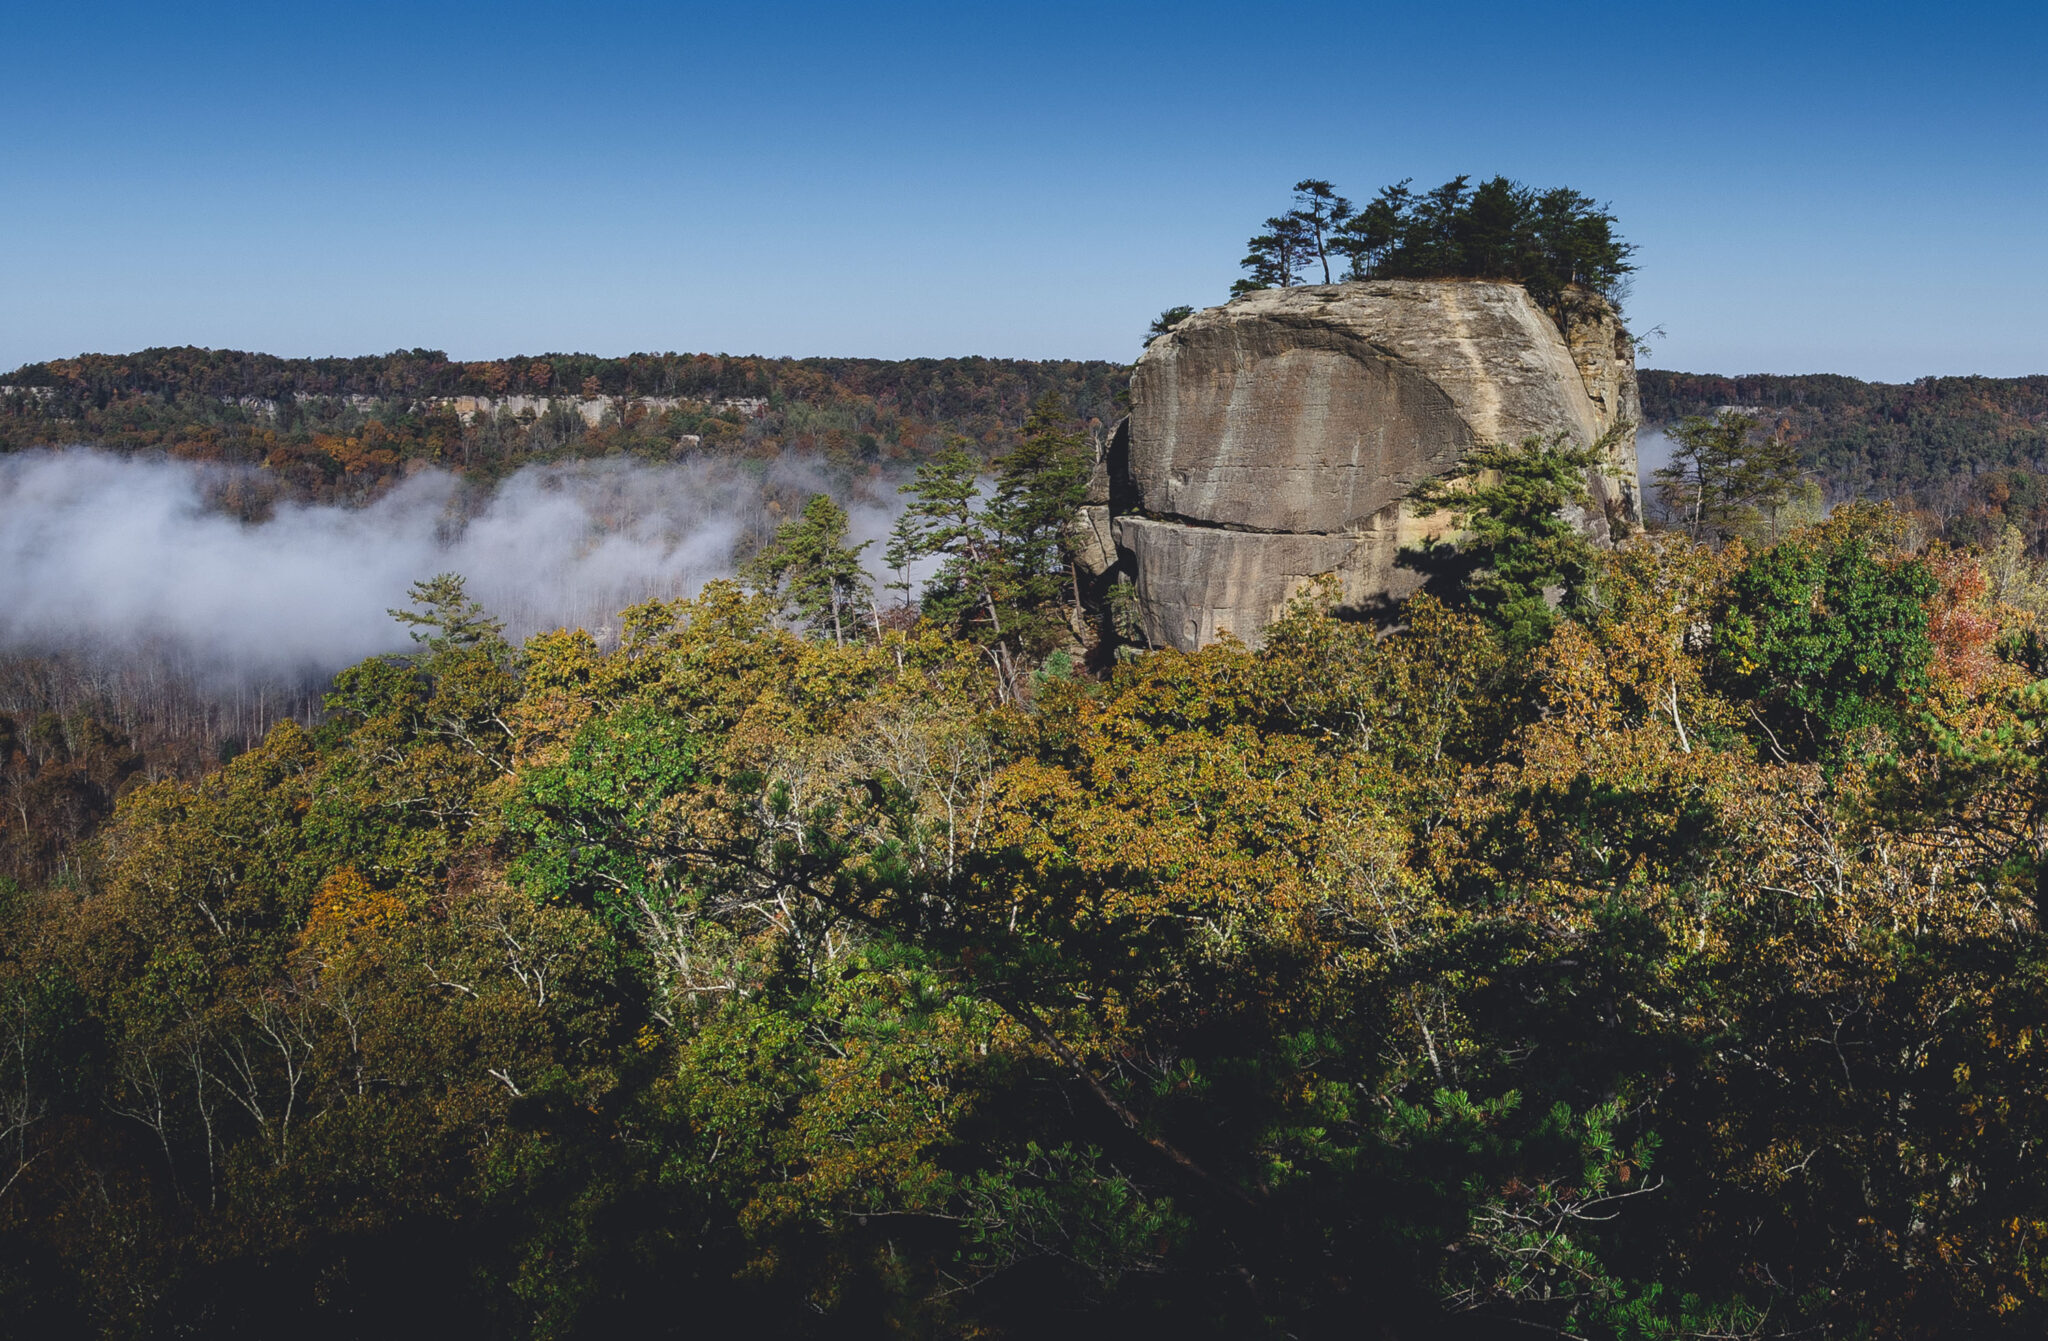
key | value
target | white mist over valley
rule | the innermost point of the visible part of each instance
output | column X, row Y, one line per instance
column 113, row 554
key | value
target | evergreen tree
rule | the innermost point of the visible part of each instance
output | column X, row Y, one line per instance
column 816, row 573
column 1319, row 212
column 447, row 619
column 903, row 549
column 1369, row 236
column 1040, row 488
column 1430, row 243
column 1530, row 559
column 1167, row 320
column 1274, row 258
column 970, row 591
column 1575, row 239
column 1722, row 482
column 1003, row 566
column 1554, row 243
column 945, row 521
column 1492, row 231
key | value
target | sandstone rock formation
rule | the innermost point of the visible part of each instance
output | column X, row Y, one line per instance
column 1276, row 439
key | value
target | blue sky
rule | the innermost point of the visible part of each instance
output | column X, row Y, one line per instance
column 1840, row 188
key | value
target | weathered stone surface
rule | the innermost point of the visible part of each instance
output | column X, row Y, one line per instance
column 1274, row 426
column 1606, row 360
column 1275, row 439
column 1117, row 448
column 1094, row 540
column 1196, row 583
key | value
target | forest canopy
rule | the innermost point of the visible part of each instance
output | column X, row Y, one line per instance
column 1634, row 944
column 1948, row 445
column 1654, row 965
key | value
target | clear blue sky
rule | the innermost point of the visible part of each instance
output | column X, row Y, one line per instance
column 1848, row 188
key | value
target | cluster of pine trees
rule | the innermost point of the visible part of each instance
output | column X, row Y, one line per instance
column 1003, row 569
column 1637, row 944
column 1550, row 241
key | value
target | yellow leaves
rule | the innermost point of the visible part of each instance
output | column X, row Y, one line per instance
column 347, row 906
column 2027, row 1246
column 1658, row 597
column 1180, row 831
column 563, row 660
column 884, row 1102
column 1576, row 690
column 544, row 723
column 352, row 922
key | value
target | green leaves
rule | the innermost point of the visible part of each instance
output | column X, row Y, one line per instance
column 1381, row 973
column 815, row 572
column 596, row 823
column 1720, row 483
column 1167, row 320
column 1827, row 635
column 1040, row 487
column 945, row 520
column 1006, row 563
column 1552, row 242
column 447, row 619
column 1529, row 558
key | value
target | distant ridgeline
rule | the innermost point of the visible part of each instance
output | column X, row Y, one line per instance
column 333, row 427
column 1971, row 450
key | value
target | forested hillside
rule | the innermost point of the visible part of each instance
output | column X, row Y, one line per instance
column 1664, row 964
column 1954, row 446
column 338, row 428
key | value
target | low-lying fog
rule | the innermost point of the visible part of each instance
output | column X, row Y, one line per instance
column 102, row 551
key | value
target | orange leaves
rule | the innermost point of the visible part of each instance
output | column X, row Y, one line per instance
column 495, row 376
column 203, row 445
column 364, row 452
column 351, row 918
column 1961, row 624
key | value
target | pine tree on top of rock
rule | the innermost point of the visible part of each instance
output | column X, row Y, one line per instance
column 1553, row 242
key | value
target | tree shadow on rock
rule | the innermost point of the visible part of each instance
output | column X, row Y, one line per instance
column 1443, row 573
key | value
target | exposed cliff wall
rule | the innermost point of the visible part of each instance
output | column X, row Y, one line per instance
column 1276, row 439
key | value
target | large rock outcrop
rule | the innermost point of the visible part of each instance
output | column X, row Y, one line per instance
column 1275, row 440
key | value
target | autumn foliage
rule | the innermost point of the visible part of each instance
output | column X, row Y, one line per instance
column 1678, row 976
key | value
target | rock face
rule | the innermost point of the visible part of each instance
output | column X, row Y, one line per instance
column 1275, row 440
